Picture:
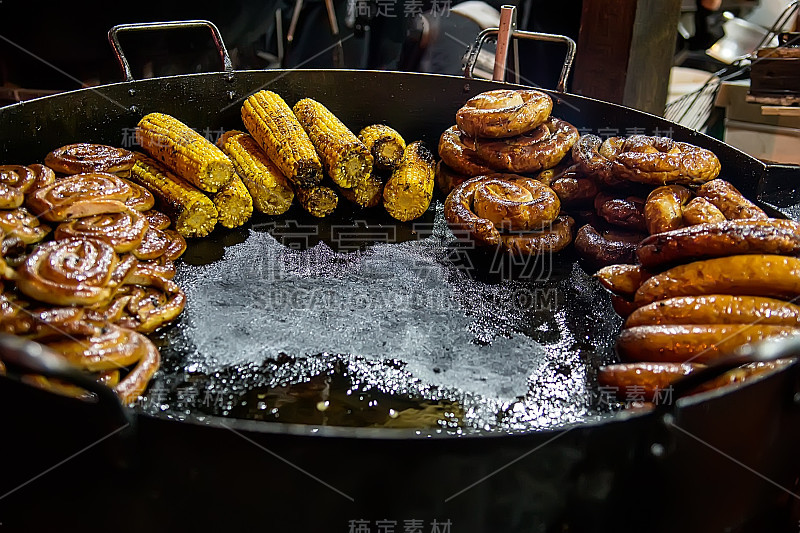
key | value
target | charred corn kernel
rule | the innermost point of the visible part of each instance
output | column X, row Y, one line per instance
column 269, row 188
column 184, row 151
column 318, row 200
column 368, row 193
column 385, row 145
column 275, row 128
column 234, row 204
column 346, row 159
column 192, row 212
column 409, row 191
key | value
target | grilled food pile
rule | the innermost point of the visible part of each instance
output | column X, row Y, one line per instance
column 699, row 293
column 322, row 159
column 503, row 131
column 304, row 152
column 497, row 135
column 641, row 185
column 697, row 269
column 103, row 280
column 603, row 184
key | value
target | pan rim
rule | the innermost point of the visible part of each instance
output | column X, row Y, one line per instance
column 392, row 433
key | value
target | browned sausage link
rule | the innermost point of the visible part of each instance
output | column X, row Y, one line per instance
column 541, row 148
column 749, row 275
column 461, row 219
column 586, row 154
column 573, row 188
column 732, row 237
column 504, row 112
column 553, row 239
column 716, row 309
column 700, row 343
column 624, row 212
column 601, row 198
column 648, row 379
column 743, row 373
column 701, row 211
column 448, row 179
column 600, row 251
column 729, row 200
column 622, row 279
column 457, row 150
column 663, row 209
column 622, row 306
column 657, row 160
column 514, row 202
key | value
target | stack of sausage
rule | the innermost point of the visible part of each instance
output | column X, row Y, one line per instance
column 503, row 131
column 625, row 171
column 721, row 275
column 104, row 279
column 499, row 134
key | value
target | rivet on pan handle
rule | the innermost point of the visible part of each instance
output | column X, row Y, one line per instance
column 492, row 33
column 113, row 39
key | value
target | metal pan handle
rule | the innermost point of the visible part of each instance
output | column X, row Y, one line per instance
column 113, row 39
column 761, row 352
column 21, row 356
column 493, row 33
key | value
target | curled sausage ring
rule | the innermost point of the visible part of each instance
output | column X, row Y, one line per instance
column 484, row 205
column 645, row 159
column 539, row 149
column 504, row 113
column 457, row 150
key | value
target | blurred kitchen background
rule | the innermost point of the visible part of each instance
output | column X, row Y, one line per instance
column 687, row 59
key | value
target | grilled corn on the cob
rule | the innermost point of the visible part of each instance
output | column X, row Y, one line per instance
column 368, row 193
column 318, row 200
column 271, row 192
column 346, row 159
column 409, row 191
column 192, row 212
column 385, row 145
column 184, row 151
column 273, row 125
column 234, row 204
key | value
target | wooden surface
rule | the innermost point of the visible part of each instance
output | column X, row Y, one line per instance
column 625, row 51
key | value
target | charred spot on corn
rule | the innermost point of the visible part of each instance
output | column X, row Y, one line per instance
column 184, row 151
column 346, row 159
column 365, row 194
column 318, row 200
column 385, row 144
column 277, row 131
column 409, row 191
column 193, row 213
column 234, row 204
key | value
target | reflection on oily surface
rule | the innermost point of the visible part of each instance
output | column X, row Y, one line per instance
column 423, row 324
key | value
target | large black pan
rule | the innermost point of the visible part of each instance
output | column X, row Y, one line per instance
column 725, row 461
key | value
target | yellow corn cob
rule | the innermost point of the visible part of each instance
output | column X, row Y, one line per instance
column 385, row 145
column 192, row 212
column 184, row 151
column 409, row 191
column 234, row 204
column 275, row 128
column 346, row 159
column 271, row 192
column 318, row 200
column 368, row 193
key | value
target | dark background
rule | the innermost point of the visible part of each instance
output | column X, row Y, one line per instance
column 73, row 39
